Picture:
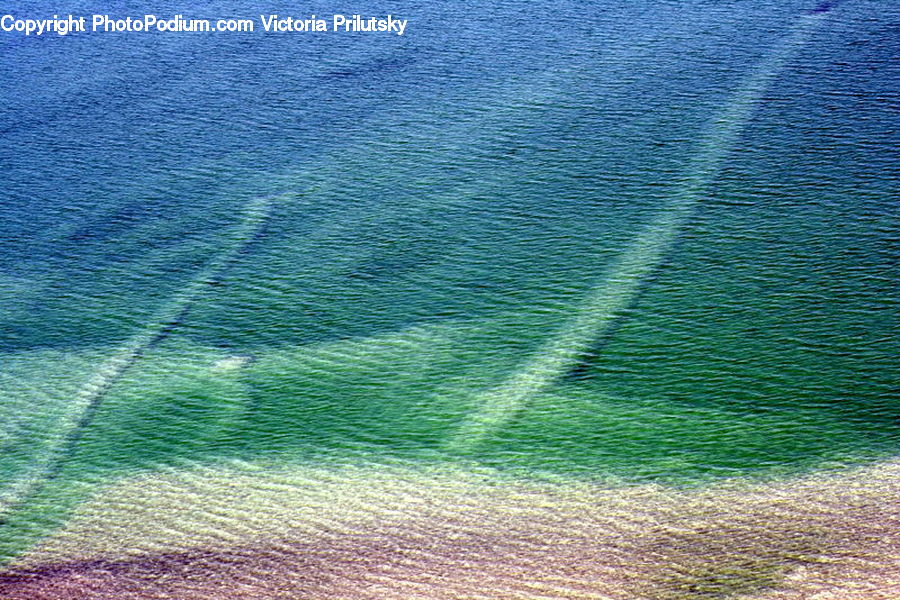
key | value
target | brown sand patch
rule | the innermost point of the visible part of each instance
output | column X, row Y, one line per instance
column 409, row 532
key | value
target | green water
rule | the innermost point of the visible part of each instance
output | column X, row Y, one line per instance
column 429, row 253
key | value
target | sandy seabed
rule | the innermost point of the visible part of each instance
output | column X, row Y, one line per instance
column 248, row 530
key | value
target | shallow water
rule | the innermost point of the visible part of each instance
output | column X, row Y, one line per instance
column 438, row 209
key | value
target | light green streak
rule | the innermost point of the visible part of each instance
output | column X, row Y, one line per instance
column 48, row 456
column 607, row 300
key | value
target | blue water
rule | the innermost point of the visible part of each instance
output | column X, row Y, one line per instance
column 354, row 240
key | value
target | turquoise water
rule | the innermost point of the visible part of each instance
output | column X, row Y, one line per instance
column 301, row 248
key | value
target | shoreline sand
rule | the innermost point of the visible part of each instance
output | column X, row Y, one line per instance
column 376, row 531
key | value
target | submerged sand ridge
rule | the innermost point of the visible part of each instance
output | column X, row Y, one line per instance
column 412, row 531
